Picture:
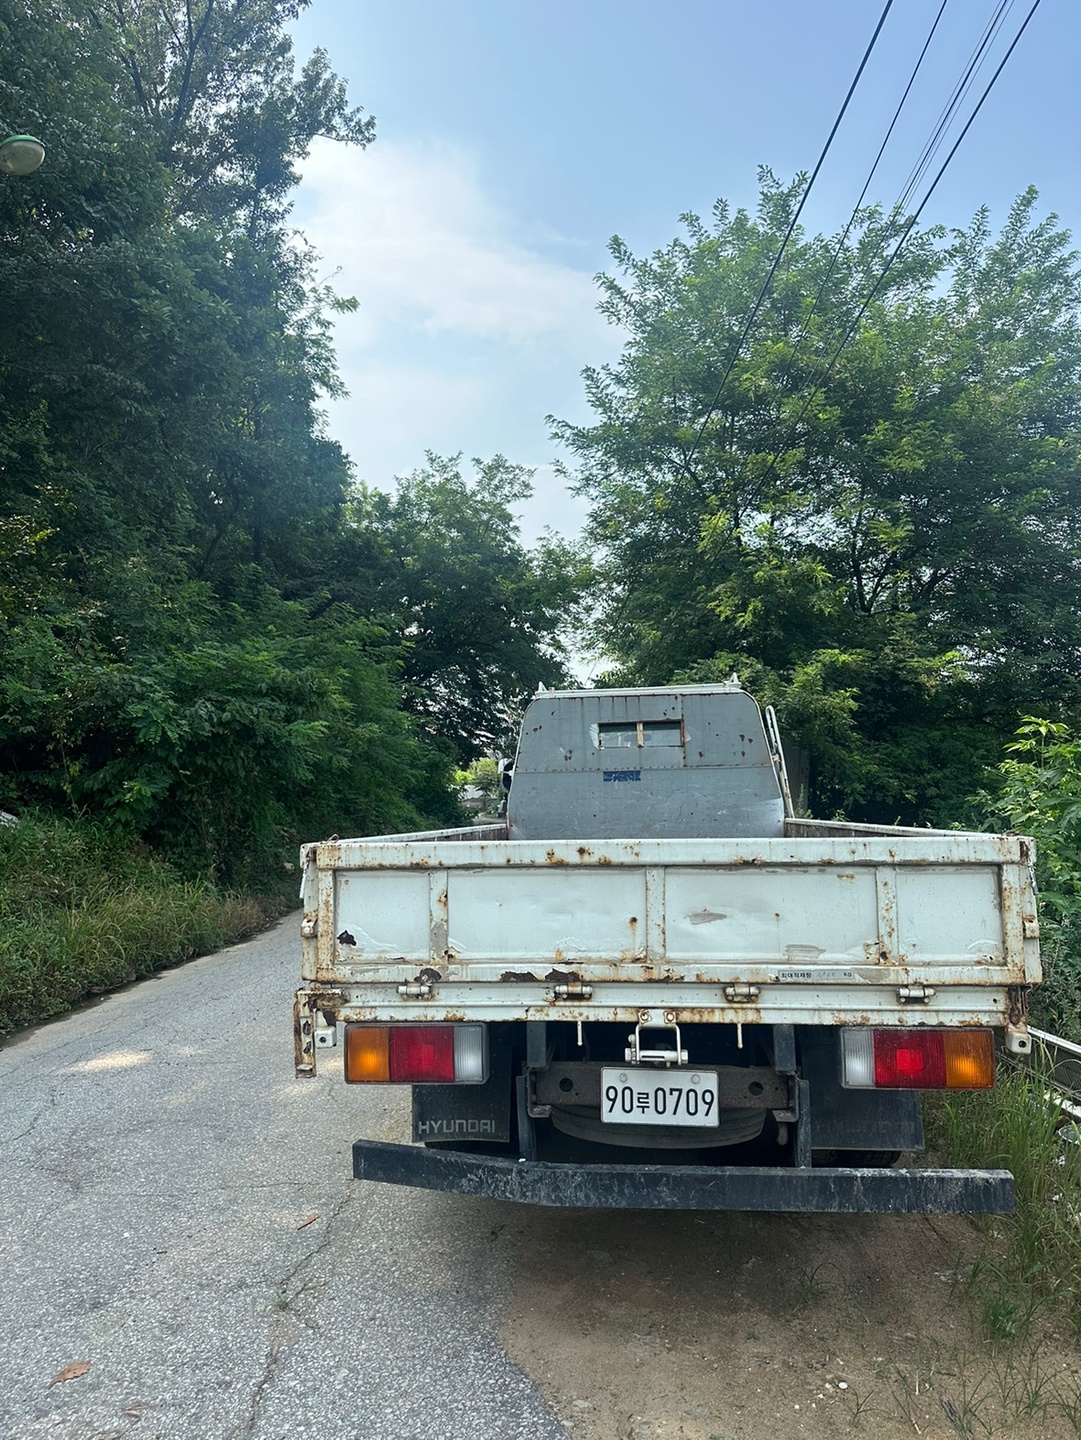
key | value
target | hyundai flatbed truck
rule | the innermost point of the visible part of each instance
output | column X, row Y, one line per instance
column 653, row 985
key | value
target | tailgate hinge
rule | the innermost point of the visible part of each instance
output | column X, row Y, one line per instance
column 915, row 994
column 415, row 991
column 575, row 990
column 741, row 994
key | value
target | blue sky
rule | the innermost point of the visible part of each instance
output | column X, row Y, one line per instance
column 514, row 140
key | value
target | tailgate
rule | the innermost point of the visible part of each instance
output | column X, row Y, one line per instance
column 882, row 928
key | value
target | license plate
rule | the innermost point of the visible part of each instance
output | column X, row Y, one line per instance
column 637, row 1096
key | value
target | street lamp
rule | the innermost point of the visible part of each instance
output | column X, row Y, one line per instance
column 20, row 155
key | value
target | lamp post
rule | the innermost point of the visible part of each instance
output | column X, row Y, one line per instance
column 20, row 155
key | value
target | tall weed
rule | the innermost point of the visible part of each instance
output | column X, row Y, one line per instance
column 1019, row 1127
column 82, row 911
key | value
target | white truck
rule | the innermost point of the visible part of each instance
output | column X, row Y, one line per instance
column 655, row 986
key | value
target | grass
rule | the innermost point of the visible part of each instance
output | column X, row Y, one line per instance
column 1011, row 1392
column 1018, row 1128
column 83, row 911
column 809, row 1287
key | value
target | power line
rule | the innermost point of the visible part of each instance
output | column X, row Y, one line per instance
column 787, row 236
column 957, row 97
column 820, row 376
column 839, row 248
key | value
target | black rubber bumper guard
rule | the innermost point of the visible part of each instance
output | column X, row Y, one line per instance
column 686, row 1187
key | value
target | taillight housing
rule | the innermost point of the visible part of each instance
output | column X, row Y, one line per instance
column 416, row 1054
column 917, row 1059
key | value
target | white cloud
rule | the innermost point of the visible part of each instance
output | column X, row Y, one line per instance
column 417, row 240
column 467, row 335
column 396, row 411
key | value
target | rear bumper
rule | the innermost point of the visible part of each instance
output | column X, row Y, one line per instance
column 686, row 1187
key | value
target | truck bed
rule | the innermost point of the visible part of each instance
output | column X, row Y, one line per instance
column 832, row 924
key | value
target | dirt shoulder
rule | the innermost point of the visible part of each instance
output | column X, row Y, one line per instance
column 740, row 1327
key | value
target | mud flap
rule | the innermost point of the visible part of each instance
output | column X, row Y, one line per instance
column 479, row 1113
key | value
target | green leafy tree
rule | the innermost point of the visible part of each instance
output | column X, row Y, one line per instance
column 1039, row 794
column 842, row 532
column 483, row 617
column 166, row 485
column 215, row 83
column 482, row 776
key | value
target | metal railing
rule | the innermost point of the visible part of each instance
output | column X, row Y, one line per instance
column 1064, row 1058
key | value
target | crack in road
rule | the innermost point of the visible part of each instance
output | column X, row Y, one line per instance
column 279, row 1338
column 39, row 1113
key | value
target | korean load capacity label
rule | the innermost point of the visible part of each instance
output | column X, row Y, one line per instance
column 634, row 1095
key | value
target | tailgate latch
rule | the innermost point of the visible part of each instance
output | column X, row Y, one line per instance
column 635, row 1055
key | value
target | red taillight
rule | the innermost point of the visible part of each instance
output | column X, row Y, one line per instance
column 421, row 1054
column 910, row 1059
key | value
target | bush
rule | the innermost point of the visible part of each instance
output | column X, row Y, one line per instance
column 224, row 745
column 1039, row 794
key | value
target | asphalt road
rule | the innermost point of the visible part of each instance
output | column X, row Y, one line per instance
column 159, row 1164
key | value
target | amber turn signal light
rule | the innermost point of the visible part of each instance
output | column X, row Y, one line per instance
column 367, row 1053
column 970, row 1060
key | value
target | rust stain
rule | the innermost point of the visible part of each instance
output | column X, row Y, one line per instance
column 428, row 976
column 706, row 917
column 604, row 860
column 563, row 977
column 346, row 939
column 519, row 975
column 554, row 859
column 584, row 852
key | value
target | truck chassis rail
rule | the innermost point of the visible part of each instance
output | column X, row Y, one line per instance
column 686, row 1187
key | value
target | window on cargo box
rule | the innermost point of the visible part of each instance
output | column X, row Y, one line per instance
column 635, row 735
column 617, row 737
